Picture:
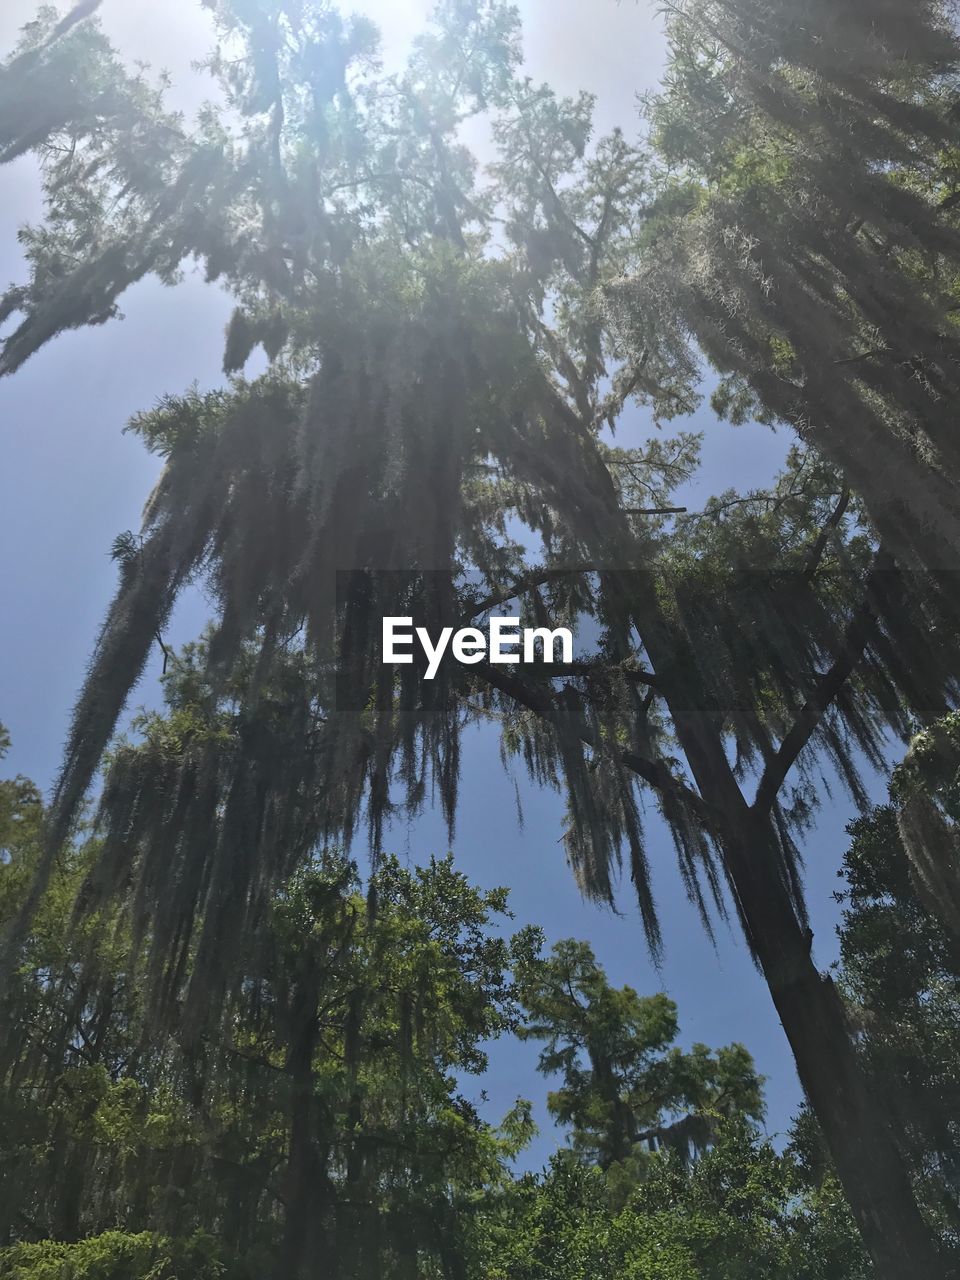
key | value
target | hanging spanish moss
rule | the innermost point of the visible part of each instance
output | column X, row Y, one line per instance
column 286, row 501
column 273, row 490
column 42, row 98
column 815, row 257
column 925, row 788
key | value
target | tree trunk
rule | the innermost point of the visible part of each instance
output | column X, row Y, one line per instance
column 851, row 1116
column 70, row 1193
column 302, row 1201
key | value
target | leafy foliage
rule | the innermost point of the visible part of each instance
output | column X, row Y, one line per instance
column 626, row 1093
column 807, row 241
column 325, row 1108
column 900, row 970
column 326, row 1111
column 742, row 1211
column 113, row 1256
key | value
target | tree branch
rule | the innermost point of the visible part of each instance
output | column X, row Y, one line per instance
column 827, row 687
column 635, row 675
column 864, row 355
column 820, row 544
column 167, row 655
column 529, row 582
column 654, row 772
column 655, row 511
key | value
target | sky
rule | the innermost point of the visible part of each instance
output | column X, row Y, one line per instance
column 70, row 480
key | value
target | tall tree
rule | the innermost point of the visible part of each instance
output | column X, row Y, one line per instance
column 626, row 1092
column 809, row 242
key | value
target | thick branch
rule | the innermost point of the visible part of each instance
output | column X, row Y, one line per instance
column 864, row 355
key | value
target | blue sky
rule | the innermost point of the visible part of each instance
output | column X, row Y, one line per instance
column 70, row 481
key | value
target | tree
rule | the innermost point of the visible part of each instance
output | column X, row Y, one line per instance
column 319, row 1112
column 64, row 90
column 114, row 1255
column 625, row 1092
column 37, row 101
column 808, row 242
column 900, row 974
column 925, row 788
column 419, row 369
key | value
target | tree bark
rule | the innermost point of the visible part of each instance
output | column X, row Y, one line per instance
column 852, row 1118
column 302, row 1199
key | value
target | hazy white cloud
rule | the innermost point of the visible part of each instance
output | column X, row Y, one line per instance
column 612, row 48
